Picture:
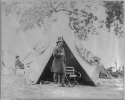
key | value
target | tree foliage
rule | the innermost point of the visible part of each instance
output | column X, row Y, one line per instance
column 115, row 18
column 31, row 14
column 82, row 21
column 117, row 73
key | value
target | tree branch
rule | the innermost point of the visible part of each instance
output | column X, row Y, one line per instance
column 57, row 7
column 66, row 10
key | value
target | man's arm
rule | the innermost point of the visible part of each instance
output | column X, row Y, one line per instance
column 55, row 53
column 64, row 56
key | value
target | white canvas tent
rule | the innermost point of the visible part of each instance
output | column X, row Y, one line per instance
column 22, row 43
column 39, row 58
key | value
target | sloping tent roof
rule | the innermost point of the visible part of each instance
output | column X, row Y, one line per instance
column 40, row 61
column 47, row 75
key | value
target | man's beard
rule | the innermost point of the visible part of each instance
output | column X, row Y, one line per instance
column 60, row 45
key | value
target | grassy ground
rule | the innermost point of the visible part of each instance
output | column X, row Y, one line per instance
column 48, row 91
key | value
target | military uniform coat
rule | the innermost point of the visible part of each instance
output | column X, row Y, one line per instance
column 59, row 60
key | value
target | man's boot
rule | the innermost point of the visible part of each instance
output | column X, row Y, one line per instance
column 63, row 81
column 55, row 76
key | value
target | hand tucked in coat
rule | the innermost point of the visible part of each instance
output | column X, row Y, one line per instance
column 59, row 57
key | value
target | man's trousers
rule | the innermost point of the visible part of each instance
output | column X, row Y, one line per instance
column 57, row 79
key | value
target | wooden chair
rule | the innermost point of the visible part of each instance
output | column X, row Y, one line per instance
column 71, row 73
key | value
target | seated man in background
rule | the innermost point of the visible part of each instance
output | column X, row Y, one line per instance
column 18, row 63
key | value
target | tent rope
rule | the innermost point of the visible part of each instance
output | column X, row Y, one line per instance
column 101, row 66
column 106, row 70
column 31, row 51
column 23, row 60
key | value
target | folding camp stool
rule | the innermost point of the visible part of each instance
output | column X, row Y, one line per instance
column 70, row 73
column 19, row 70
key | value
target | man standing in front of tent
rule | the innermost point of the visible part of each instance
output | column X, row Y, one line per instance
column 58, row 62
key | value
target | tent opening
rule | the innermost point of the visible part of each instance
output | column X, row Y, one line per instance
column 47, row 75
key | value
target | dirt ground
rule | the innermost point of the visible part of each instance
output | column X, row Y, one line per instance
column 14, row 88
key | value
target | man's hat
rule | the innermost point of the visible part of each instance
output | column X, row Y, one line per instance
column 17, row 56
column 60, row 39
